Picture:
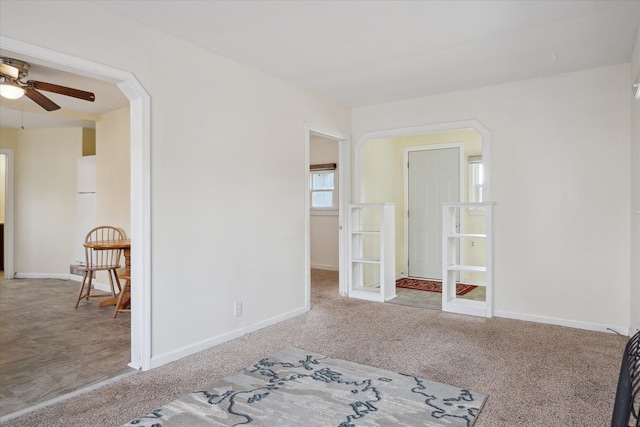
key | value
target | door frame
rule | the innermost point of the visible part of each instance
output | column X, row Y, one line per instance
column 405, row 178
column 9, row 267
column 140, row 140
column 344, row 195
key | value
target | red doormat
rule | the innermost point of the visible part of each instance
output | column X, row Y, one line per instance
column 431, row 285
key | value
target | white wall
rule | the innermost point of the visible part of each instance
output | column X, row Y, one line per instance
column 635, row 192
column 323, row 226
column 45, row 199
column 113, row 170
column 227, row 172
column 8, row 138
column 45, row 189
column 561, row 180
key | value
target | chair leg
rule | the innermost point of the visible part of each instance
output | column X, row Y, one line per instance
column 115, row 275
column 87, row 275
column 124, row 293
column 86, row 284
column 111, row 273
column 89, row 284
column 84, row 278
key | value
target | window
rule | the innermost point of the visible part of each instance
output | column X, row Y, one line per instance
column 323, row 190
column 476, row 184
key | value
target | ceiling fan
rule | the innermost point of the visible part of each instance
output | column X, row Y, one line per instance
column 12, row 71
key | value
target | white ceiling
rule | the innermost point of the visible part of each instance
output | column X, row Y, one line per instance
column 367, row 52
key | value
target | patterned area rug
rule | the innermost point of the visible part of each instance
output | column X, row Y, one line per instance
column 300, row 388
column 431, row 285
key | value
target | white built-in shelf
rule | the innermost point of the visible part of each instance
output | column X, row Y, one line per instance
column 469, row 268
column 452, row 265
column 370, row 289
column 467, row 306
column 475, row 236
column 366, row 260
column 468, row 303
column 371, row 251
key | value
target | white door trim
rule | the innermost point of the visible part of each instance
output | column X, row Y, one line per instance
column 9, row 209
column 344, row 195
column 140, row 182
column 405, row 178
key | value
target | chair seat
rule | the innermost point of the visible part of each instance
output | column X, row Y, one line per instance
column 99, row 268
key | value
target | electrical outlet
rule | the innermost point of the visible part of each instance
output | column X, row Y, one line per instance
column 237, row 309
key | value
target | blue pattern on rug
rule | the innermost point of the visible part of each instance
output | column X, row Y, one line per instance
column 295, row 388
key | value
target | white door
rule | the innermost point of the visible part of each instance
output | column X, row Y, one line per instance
column 434, row 178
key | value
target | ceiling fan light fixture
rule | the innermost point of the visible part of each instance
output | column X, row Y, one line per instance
column 14, row 68
column 12, row 71
column 10, row 89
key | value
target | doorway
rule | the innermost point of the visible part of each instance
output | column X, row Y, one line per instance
column 6, row 211
column 328, row 145
column 140, row 139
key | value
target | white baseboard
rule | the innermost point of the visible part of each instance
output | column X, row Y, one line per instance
column 325, row 267
column 59, row 276
column 590, row 326
column 62, row 276
column 212, row 342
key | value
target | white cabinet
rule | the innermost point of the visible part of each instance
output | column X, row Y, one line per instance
column 453, row 238
column 371, row 250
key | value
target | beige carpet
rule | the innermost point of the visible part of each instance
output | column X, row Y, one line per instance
column 534, row 374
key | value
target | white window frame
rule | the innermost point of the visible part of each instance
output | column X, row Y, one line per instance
column 476, row 189
column 332, row 210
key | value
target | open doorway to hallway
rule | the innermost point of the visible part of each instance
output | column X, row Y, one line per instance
column 328, row 180
column 324, row 189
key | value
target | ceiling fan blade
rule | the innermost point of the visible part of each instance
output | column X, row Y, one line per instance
column 40, row 99
column 62, row 90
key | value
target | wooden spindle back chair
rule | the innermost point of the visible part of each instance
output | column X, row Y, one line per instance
column 101, row 260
